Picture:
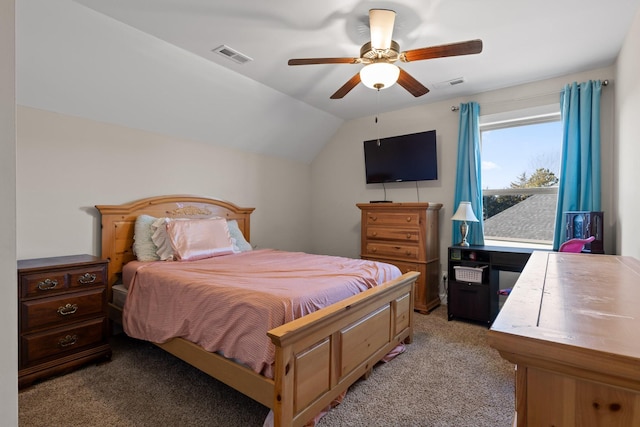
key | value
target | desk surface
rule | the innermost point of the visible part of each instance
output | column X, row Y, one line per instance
column 576, row 310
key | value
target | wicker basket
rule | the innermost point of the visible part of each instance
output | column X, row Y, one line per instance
column 469, row 274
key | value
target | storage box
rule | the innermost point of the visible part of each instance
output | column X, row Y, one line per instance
column 469, row 274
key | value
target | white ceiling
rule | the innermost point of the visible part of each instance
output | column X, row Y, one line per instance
column 148, row 64
column 523, row 41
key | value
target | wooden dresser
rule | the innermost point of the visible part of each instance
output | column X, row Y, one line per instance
column 406, row 235
column 62, row 316
column 572, row 328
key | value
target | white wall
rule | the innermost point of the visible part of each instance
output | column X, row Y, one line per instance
column 8, row 290
column 628, row 147
column 338, row 178
column 66, row 165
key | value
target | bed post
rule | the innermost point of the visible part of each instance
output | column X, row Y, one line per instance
column 283, row 395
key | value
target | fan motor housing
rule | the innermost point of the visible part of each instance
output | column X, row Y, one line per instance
column 391, row 54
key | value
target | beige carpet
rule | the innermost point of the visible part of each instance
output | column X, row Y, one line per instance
column 449, row 376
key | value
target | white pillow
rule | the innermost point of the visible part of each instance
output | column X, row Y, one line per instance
column 199, row 238
column 143, row 247
column 240, row 244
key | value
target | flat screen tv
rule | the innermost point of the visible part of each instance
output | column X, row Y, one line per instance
column 401, row 158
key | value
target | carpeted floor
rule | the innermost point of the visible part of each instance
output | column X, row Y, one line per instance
column 448, row 376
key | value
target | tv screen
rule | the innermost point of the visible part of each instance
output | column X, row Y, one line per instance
column 401, row 158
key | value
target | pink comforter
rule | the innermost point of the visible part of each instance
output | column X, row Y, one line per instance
column 227, row 304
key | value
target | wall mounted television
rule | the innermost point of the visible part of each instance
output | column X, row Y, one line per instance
column 409, row 157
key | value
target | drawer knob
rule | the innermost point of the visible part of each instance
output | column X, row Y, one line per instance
column 408, row 252
column 374, row 234
column 408, row 235
column 408, row 219
column 47, row 284
column 373, row 218
column 374, row 249
column 68, row 340
column 87, row 278
column 65, row 310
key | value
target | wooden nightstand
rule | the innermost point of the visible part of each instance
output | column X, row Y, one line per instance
column 62, row 315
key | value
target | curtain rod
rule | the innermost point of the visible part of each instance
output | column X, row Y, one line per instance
column 456, row 108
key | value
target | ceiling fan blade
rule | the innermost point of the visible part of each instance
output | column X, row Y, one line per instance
column 454, row 49
column 309, row 61
column 381, row 25
column 346, row 88
column 414, row 87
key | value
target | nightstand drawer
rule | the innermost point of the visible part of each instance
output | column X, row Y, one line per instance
column 408, row 252
column 85, row 277
column 393, row 218
column 40, row 284
column 61, row 340
column 60, row 309
column 396, row 234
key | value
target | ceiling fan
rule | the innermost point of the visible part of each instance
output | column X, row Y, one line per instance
column 381, row 52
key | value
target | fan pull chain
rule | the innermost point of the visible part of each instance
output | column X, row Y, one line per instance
column 377, row 125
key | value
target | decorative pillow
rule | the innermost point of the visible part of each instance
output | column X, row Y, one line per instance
column 143, row 246
column 160, row 238
column 240, row 244
column 199, row 238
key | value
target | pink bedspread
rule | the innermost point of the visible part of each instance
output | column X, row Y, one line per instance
column 227, row 304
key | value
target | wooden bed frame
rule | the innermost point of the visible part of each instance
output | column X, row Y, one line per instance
column 317, row 356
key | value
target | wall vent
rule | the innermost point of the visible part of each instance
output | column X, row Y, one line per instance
column 232, row 54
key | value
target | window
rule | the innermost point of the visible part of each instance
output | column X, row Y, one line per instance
column 520, row 170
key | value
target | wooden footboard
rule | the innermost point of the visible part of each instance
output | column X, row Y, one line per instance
column 320, row 355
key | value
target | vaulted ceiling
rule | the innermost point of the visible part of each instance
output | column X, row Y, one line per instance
column 150, row 63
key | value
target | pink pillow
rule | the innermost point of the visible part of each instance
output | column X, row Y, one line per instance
column 199, row 238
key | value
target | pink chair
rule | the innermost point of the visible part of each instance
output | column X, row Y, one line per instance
column 575, row 245
column 572, row 245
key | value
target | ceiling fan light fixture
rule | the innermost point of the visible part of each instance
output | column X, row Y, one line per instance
column 379, row 75
column 381, row 26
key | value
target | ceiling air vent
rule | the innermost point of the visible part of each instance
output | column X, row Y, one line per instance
column 452, row 82
column 232, row 54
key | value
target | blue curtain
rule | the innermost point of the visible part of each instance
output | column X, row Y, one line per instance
column 468, row 174
column 579, row 187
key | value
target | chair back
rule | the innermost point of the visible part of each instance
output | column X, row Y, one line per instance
column 575, row 245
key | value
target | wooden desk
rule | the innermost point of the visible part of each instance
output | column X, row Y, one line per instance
column 572, row 327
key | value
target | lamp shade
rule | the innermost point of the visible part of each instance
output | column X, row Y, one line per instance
column 381, row 25
column 379, row 75
column 464, row 213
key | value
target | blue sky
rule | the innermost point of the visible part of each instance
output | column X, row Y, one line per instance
column 508, row 152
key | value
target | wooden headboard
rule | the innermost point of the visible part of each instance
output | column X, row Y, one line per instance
column 118, row 222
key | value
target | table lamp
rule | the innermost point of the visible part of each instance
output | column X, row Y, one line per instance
column 464, row 214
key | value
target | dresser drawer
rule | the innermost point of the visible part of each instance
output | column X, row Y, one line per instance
column 52, row 282
column 409, row 252
column 393, row 218
column 46, row 283
column 89, row 276
column 406, row 267
column 62, row 308
column 57, row 341
column 396, row 234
